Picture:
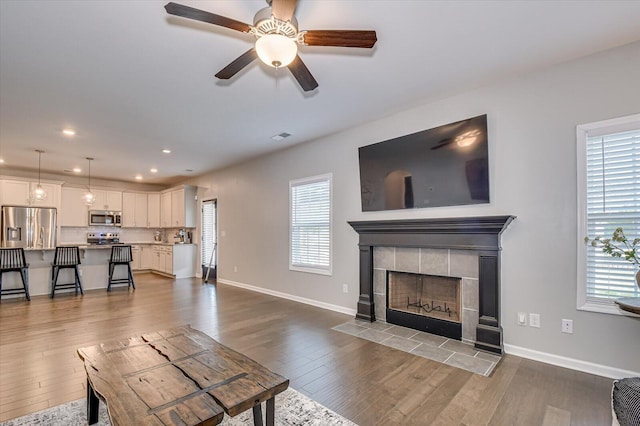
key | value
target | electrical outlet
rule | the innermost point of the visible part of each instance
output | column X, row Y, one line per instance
column 534, row 320
column 345, row 288
column 235, row 269
column 522, row 318
column 567, row 326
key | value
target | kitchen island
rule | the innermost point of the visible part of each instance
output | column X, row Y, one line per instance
column 178, row 262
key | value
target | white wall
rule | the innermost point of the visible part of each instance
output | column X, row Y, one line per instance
column 532, row 123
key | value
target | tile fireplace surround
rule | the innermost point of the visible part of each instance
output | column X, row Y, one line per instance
column 464, row 247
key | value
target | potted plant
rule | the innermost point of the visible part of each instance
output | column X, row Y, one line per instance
column 619, row 246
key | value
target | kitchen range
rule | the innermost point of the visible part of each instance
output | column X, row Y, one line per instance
column 103, row 238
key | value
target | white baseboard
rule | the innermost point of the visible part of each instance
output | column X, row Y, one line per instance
column 571, row 363
column 287, row 296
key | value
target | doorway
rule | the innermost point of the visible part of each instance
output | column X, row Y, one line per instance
column 209, row 238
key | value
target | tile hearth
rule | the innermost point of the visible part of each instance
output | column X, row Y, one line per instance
column 437, row 348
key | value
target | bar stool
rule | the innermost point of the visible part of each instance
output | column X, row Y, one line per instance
column 121, row 255
column 13, row 260
column 65, row 258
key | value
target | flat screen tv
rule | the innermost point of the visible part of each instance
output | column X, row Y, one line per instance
column 443, row 166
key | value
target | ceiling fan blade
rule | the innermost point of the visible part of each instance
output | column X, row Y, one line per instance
column 283, row 9
column 234, row 67
column 201, row 15
column 302, row 74
column 442, row 143
column 342, row 38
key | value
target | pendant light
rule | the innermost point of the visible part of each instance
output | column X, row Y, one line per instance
column 39, row 194
column 88, row 196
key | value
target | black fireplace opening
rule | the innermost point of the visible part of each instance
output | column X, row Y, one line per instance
column 430, row 303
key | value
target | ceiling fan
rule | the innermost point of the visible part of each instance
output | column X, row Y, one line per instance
column 276, row 30
column 464, row 135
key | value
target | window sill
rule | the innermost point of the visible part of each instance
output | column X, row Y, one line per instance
column 310, row 270
column 606, row 308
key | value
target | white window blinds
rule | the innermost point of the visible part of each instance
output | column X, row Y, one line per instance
column 310, row 233
column 208, row 232
column 612, row 201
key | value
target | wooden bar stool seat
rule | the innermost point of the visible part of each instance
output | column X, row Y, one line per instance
column 13, row 260
column 121, row 255
column 66, row 258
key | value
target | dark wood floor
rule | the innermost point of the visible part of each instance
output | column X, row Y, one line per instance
column 366, row 382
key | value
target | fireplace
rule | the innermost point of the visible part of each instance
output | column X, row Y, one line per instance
column 424, row 302
column 471, row 247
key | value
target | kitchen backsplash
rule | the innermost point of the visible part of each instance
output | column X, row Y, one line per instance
column 134, row 235
column 70, row 235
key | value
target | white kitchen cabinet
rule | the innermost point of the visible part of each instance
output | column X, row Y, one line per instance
column 18, row 193
column 146, row 257
column 177, row 259
column 178, row 208
column 165, row 210
column 184, row 259
column 168, row 261
column 134, row 210
column 155, row 260
column 73, row 211
column 135, row 255
column 153, row 210
column 15, row 192
column 53, row 194
column 163, row 261
column 107, row 200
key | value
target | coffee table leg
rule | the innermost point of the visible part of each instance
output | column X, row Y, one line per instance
column 92, row 404
column 271, row 411
column 257, row 415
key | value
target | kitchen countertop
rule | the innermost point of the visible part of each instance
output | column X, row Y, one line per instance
column 85, row 246
column 154, row 243
column 131, row 243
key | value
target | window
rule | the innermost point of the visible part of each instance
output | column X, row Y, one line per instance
column 209, row 240
column 608, row 198
column 310, row 225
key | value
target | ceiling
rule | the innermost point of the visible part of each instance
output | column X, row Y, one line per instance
column 132, row 80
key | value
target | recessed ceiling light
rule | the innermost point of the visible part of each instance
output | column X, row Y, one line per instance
column 77, row 170
column 153, row 170
column 1, row 160
column 166, row 151
column 69, row 132
column 139, row 177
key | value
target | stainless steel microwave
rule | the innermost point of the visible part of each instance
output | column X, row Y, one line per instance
column 105, row 218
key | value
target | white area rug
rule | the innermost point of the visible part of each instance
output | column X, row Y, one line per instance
column 292, row 409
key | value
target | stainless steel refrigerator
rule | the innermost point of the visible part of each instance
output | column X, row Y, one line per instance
column 28, row 227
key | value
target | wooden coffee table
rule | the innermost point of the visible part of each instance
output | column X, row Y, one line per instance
column 178, row 376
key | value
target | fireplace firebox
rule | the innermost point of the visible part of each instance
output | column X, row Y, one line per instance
column 425, row 302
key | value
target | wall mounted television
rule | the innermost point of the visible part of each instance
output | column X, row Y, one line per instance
column 444, row 166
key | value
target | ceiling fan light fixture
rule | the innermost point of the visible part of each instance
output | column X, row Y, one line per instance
column 276, row 50
column 467, row 138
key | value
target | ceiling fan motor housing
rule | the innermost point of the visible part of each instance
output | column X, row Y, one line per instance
column 265, row 23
